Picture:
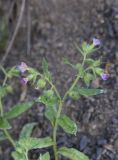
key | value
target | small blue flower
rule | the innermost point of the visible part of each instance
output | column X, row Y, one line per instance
column 23, row 67
column 96, row 42
column 24, row 80
column 104, row 76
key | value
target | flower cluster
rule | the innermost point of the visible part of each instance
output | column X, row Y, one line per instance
column 23, row 68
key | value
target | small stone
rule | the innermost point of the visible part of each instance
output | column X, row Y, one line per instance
column 101, row 142
column 84, row 142
column 115, row 121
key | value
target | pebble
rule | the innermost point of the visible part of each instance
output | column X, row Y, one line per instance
column 101, row 142
column 115, row 121
column 84, row 142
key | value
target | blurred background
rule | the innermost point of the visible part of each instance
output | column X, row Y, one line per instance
column 31, row 30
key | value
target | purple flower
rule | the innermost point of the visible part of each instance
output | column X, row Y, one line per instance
column 23, row 67
column 24, row 80
column 96, row 42
column 104, row 76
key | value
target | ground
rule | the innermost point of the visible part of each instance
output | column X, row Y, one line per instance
column 57, row 25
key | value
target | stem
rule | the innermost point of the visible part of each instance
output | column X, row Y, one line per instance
column 2, row 115
column 4, row 82
column 1, row 108
column 9, row 137
column 73, row 85
column 60, row 109
column 26, row 156
column 75, row 82
column 55, row 130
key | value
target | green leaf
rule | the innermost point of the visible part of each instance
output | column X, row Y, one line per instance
column 67, row 124
column 89, row 61
column 41, row 83
column 35, row 143
column 89, row 48
column 74, row 94
column 99, row 71
column 13, row 72
column 66, row 61
column 4, row 124
column 46, row 72
column 84, row 46
column 33, row 73
column 48, row 98
column 87, row 78
column 50, row 113
column 72, row 154
column 18, row 110
column 2, row 136
column 79, row 49
column 45, row 156
column 97, row 63
column 80, row 68
column 89, row 91
column 18, row 156
column 27, row 130
column 4, row 90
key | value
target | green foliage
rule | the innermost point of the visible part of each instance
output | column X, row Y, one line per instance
column 18, row 110
column 33, row 73
column 41, row 83
column 86, row 72
column 50, row 113
column 13, row 72
column 72, row 154
column 89, row 91
column 45, row 156
column 27, row 130
column 48, row 98
column 88, row 77
column 18, row 156
column 4, row 90
column 46, row 72
column 98, row 71
column 66, row 61
column 74, row 94
column 4, row 124
column 77, row 92
column 67, row 124
column 34, row 143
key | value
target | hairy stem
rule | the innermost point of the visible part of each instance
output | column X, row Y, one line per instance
column 9, row 137
column 55, row 131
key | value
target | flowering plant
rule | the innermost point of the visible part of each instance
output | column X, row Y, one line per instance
column 87, row 71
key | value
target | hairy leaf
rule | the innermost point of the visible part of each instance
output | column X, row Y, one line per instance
column 4, row 124
column 18, row 110
column 72, row 154
column 18, row 156
column 48, row 98
column 45, row 156
column 34, row 143
column 46, row 72
column 27, row 130
column 4, row 90
column 74, row 94
column 67, row 124
column 89, row 91
column 87, row 78
column 13, row 72
column 50, row 113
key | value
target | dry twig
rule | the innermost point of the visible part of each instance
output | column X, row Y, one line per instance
column 15, row 32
